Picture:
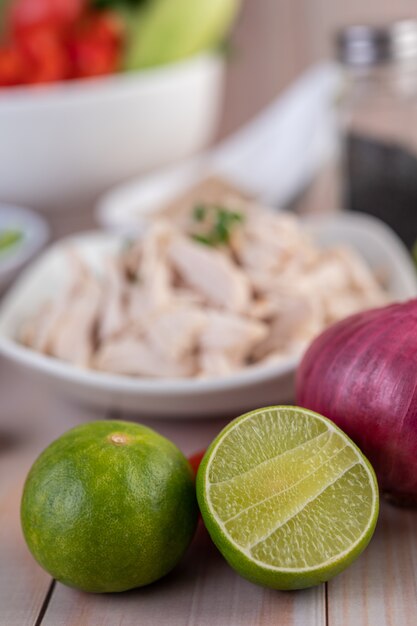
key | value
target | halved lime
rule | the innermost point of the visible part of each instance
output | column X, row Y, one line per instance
column 287, row 497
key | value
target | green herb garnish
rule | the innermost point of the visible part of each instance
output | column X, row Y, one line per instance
column 219, row 223
column 9, row 238
column 199, row 212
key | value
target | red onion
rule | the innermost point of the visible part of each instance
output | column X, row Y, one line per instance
column 362, row 374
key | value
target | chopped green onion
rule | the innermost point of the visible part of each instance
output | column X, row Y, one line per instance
column 199, row 212
column 224, row 220
column 207, row 241
column 9, row 238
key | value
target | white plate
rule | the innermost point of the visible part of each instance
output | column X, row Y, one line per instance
column 256, row 386
column 35, row 234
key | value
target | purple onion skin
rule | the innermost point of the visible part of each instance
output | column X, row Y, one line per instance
column 362, row 374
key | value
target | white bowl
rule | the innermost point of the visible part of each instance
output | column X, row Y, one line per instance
column 35, row 233
column 63, row 145
column 253, row 387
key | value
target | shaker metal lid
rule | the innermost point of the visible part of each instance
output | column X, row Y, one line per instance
column 365, row 45
column 362, row 45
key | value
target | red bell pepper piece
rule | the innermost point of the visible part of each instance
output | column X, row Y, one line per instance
column 195, row 460
column 95, row 45
column 13, row 67
column 25, row 14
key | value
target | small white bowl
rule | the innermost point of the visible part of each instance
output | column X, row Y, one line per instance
column 63, row 145
column 35, row 234
column 253, row 387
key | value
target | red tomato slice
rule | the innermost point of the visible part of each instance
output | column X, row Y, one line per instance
column 46, row 55
column 13, row 67
column 195, row 460
column 95, row 45
column 25, row 14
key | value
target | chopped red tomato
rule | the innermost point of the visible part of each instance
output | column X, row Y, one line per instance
column 13, row 67
column 195, row 460
column 45, row 55
column 25, row 14
column 54, row 40
column 95, row 45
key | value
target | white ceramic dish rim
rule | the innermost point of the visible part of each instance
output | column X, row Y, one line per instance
column 251, row 375
column 36, row 234
column 49, row 94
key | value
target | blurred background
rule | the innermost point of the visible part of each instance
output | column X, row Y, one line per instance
column 279, row 39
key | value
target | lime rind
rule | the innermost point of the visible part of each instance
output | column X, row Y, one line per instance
column 109, row 506
column 250, row 565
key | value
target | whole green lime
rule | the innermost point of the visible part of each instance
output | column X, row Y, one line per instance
column 109, row 506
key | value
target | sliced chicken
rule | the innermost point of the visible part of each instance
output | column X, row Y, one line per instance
column 40, row 331
column 112, row 318
column 73, row 339
column 213, row 363
column 235, row 336
column 36, row 332
column 175, row 331
column 134, row 357
column 210, row 273
column 170, row 306
column 270, row 240
column 360, row 276
column 296, row 320
column 151, row 276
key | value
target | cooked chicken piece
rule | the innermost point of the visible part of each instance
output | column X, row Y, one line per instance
column 328, row 275
column 341, row 305
column 134, row 357
column 294, row 349
column 140, row 258
column 233, row 335
column 269, row 240
column 73, row 337
column 209, row 191
column 263, row 309
column 112, row 318
column 361, row 277
column 285, row 279
column 296, row 320
column 188, row 297
column 150, row 289
column 37, row 331
column 215, row 363
column 210, row 273
column 175, row 331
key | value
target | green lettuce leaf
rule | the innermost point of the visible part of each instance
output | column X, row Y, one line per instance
column 162, row 31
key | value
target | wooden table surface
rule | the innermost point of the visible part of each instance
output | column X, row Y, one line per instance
column 379, row 589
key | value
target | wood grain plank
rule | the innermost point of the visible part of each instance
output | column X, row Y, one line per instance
column 30, row 418
column 23, row 584
column 201, row 591
column 381, row 587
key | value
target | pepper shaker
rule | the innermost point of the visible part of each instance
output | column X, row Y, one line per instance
column 378, row 123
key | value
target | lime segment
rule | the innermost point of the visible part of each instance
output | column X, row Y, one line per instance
column 287, row 497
